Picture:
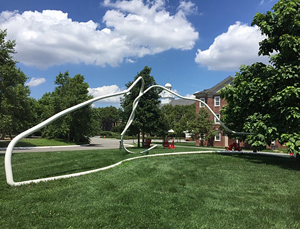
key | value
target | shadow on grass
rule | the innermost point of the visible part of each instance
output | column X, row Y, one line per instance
column 283, row 162
column 19, row 144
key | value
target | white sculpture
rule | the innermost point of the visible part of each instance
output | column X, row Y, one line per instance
column 9, row 150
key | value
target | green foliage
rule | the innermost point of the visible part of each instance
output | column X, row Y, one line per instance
column 264, row 99
column 109, row 134
column 202, row 125
column 76, row 126
column 107, row 118
column 147, row 113
column 163, row 124
column 15, row 104
column 282, row 28
column 179, row 117
column 184, row 118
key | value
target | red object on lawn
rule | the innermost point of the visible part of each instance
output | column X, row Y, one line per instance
column 166, row 144
column 147, row 143
column 234, row 147
column 171, row 146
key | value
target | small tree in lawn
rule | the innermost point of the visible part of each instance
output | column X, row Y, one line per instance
column 147, row 113
column 202, row 126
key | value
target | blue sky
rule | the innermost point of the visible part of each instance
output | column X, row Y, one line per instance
column 191, row 44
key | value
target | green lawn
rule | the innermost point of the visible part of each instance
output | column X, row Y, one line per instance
column 185, row 191
column 38, row 142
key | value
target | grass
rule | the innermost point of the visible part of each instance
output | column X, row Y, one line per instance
column 186, row 191
column 38, row 142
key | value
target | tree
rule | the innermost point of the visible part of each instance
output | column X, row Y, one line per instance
column 106, row 118
column 179, row 117
column 147, row 112
column 202, row 126
column 183, row 118
column 76, row 126
column 15, row 103
column 163, row 124
column 247, row 100
column 265, row 99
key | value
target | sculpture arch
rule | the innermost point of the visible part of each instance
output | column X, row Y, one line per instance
column 9, row 150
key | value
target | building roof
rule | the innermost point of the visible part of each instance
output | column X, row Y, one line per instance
column 181, row 102
column 168, row 85
column 215, row 89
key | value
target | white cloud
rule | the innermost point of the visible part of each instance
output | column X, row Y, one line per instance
column 239, row 45
column 262, row 2
column 132, row 29
column 131, row 61
column 106, row 90
column 187, row 7
column 35, row 82
column 190, row 96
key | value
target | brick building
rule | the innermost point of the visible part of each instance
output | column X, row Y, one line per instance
column 213, row 99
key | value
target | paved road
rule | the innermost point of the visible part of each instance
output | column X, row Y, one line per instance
column 99, row 143
column 96, row 143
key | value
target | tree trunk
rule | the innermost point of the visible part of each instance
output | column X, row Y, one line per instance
column 3, row 135
column 297, row 159
column 139, row 145
column 143, row 139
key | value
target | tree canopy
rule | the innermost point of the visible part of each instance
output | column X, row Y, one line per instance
column 15, row 104
column 76, row 126
column 107, row 118
column 202, row 126
column 179, row 117
column 184, row 118
column 264, row 99
column 147, row 113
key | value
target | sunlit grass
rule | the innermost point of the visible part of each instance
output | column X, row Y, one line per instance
column 186, row 191
column 38, row 142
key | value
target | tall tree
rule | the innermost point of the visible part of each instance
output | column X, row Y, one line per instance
column 265, row 99
column 147, row 112
column 76, row 126
column 15, row 104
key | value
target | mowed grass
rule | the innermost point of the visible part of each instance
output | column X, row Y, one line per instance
column 38, row 142
column 182, row 191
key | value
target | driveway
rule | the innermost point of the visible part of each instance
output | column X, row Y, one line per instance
column 96, row 143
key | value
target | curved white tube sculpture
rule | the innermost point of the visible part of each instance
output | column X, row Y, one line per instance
column 186, row 98
column 9, row 150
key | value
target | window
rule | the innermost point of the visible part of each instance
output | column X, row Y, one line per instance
column 201, row 104
column 217, row 101
column 218, row 137
column 216, row 120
